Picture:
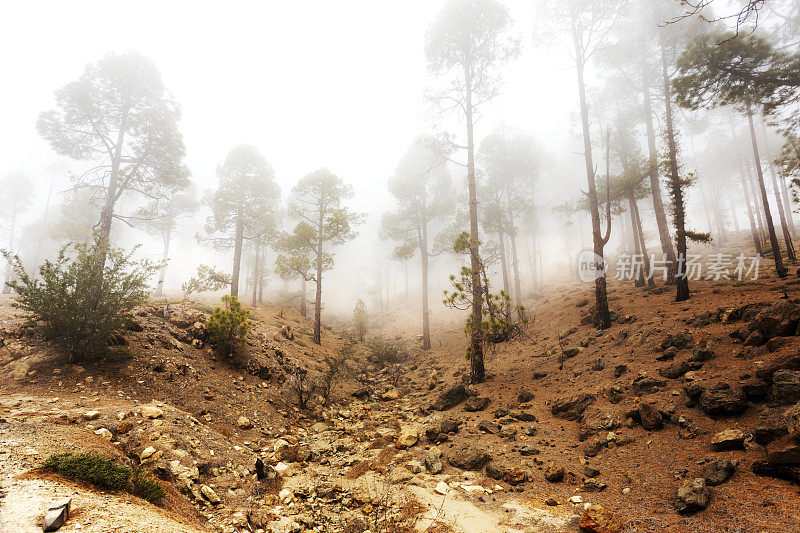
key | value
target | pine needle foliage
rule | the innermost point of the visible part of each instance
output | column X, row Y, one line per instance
column 228, row 326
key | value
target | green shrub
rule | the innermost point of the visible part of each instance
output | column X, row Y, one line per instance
column 387, row 351
column 228, row 327
column 80, row 304
column 335, row 371
column 106, row 473
column 501, row 320
column 91, row 468
column 144, row 486
column 360, row 320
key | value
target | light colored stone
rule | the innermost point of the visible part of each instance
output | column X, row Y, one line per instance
column 728, row 439
column 103, row 432
column 209, row 494
column 19, row 370
column 441, row 488
column 400, row 474
column 149, row 411
column 391, row 394
column 91, row 415
column 147, row 453
column 284, row 469
column 244, row 423
column 57, row 515
column 408, row 438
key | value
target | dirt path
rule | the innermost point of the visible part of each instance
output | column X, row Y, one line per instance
column 463, row 516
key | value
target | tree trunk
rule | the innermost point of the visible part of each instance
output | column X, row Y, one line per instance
column 734, row 217
column 758, row 206
column 637, row 250
column 540, row 264
column 405, row 275
column 530, row 262
column 237, row 256
column 645, row 255
column 501, row 238
column 423, row 254
column 303, row 296
column 163, row 274
column 426, row 315
column 628, row 241
column 707, row 213
column 601, row 297
column 787, row 236
column 256, row 274
column 655, row 188
column 261, row 278
column 477, row 371
column 318, row 299
column 515, row 263
column 786, row 204
column 750, row 216
column 681, row 279
column 773, row 238
column 107, row 214
column 44, row 223
column 388, row 282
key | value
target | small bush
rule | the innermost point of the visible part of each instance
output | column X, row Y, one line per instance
column 387, row 351
column 228, row 327
column 300, row 388
column 79, row 303
column 498, row 323
column 91, row 468
column 360, row 320
column 106, row 473
column 336, row 370
column 144, row 486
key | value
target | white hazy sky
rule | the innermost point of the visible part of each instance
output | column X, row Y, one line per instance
column 311, row 83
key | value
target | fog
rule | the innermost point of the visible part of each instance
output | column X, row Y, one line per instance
column 346, row 86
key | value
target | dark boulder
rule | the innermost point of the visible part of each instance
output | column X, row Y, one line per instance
column 718, row 471
column 692, row 496
column 467, row 458
column 786, row 387
column 522, row 416
column 650, row 416
column 450, row 397
column 675, row 370
column 678, row 340
column 756, row 390
column 433, row 463
column 489, row 427
column 525, row 396
column 644, row 384
column 572, row 407
column 554, row 473
column 722, row 400
column 476, row 403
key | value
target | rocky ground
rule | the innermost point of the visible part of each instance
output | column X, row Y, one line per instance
column 681, row 417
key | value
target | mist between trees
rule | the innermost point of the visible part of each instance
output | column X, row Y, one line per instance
column 683, row 121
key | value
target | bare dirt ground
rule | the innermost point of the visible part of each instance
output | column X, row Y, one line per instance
column 367, row 461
